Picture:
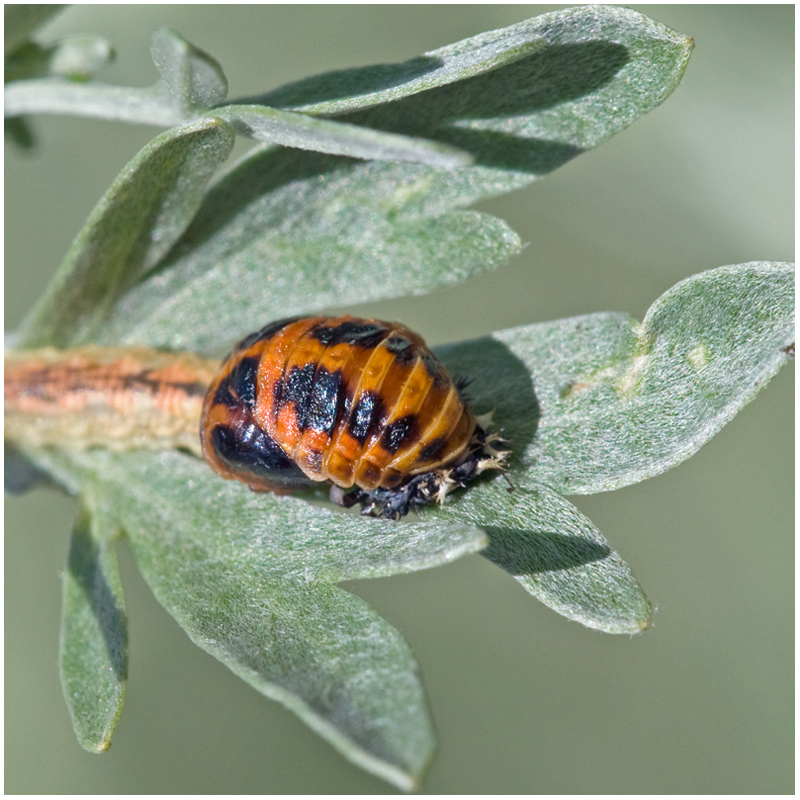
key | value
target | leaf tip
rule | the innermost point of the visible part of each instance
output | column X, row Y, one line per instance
column 98, row 748
column 644, row 624
column 644, row 621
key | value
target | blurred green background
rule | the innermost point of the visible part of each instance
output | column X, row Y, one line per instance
column 524, row 701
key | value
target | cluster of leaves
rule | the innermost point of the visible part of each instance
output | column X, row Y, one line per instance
column 590, row 404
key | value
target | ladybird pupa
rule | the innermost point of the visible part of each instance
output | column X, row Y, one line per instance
column 358, row 403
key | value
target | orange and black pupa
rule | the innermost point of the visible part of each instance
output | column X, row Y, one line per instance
column 359, row 403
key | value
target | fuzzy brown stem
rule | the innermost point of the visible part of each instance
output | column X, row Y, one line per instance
column 116, row 397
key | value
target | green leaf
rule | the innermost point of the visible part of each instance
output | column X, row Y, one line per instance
column 523, row 100
column 366, row 87
column 593, row 401
column 181, row 501
column 556, row 554
column 94, row 633
column 246, row 575
column 291, row 129
column 598, row 402
column 321, row 652
column 149, row 106
column 191, row 80
column 291, row 231
column 132, row 227
column 20, row 20
column 266, row 244
column 192, row 76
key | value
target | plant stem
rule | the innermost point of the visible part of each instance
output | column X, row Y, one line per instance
column 120, row 398
column 150, row 106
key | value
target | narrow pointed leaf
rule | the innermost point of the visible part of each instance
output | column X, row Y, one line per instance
column 321, row 652
column 296, row 231
column 598, row 402
column 556, row 554
column 365, row 87
column 285, row 537
column 290, row 231
column 94, row 633
column 243, row 583
column 291, row 129
column 193, row 77
column 523, row 100
column 266, row 244
column 132, row 227
column 148, row 106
